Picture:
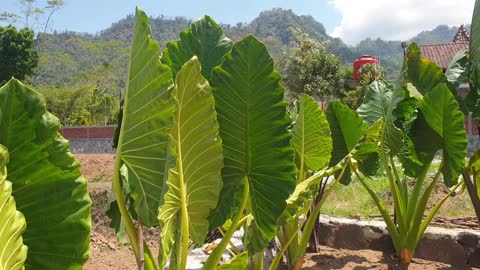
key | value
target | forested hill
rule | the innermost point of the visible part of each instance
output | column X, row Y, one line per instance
column 72, row 58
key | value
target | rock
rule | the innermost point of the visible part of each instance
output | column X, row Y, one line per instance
column 468, row 240
column 475, row 258
column 350, row 236
column 384, row 244
column 444, row 249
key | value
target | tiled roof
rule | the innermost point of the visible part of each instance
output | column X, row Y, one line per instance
column 442, row 54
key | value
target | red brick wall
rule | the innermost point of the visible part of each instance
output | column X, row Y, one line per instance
column 93, row 132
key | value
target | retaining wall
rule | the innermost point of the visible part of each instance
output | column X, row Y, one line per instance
column 457, row 247
column 94, row 139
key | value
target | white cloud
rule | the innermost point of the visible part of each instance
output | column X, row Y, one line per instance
column 397, row 19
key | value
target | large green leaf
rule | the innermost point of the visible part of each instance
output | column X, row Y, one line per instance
column 375, row 106
column 442, row 114
column 47, row 184
column 347, row 129
column 311, row 135
column 205, row 39
column 195, row 182
column 474, row 51
column 147, row 109
column 253, row 126
column 421, row 72
column 12, row 223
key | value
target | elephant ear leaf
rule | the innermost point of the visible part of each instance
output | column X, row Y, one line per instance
column 205, row 39
column 47, row 184
column 147, row 109
column 347, row 129
column 376, row 104
column 12, row 223
column 195, row 182
column 443, row 115
column 311, row 135
column 256, row 143
column 421, row 72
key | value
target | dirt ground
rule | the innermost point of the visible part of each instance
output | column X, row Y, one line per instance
column 106, row 253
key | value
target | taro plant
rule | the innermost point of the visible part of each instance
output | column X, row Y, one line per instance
column 44, row 206
column 325, row 146
column 421, row 119
column 183, row 145
column 465, row 67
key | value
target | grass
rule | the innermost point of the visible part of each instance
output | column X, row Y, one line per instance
column 354, row 201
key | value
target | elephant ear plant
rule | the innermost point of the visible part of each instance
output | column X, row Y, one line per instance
column 465, row 66
column 174, row 161
column 44, row 189
column 421, row 119
column 325, row 146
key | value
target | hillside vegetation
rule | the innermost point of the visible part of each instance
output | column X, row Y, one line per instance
column 71, row 59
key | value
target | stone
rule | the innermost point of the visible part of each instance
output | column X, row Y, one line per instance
column 475, row 258
column 445, row 250
column 350, row 236
column 384, row 244
column 468, row 240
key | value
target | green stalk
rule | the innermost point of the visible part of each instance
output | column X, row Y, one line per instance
column 310, row 224
column 278, row 257
column 416, row 221
column 117, row 188
column 257, row 262
column 216, row 255
column 416, row 193
column 392, row 229
column 237, row 252
column 131, row 231
column 434, row 210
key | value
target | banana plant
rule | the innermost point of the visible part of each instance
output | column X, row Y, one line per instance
column 319, row 158
column 50, row 194
column 423, row 114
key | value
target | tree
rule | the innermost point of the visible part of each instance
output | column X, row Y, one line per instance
column 18, row 57
column 368, row 73
column 312, row 70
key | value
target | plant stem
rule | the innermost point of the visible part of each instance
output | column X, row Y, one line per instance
column 472, row 191
column 216, row 255
column 230, row 242
column 257, row 263
column 141, row 257
column 310, row 223
column 117, row 188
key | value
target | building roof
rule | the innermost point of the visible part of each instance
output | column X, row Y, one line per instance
column 442, row 54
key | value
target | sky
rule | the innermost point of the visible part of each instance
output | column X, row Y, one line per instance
column 351, row 20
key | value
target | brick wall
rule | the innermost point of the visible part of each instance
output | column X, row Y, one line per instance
column 93, row 132
column 94, row 139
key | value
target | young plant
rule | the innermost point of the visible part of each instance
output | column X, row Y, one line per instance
column 420, row 117
column 47, row 185
column 319, row 158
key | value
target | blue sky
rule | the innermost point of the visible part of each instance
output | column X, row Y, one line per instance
column 95, row 15
column 351, row 20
